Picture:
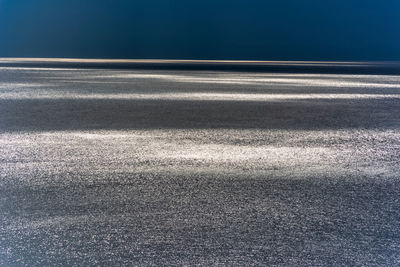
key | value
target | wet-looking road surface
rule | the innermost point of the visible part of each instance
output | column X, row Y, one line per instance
column 119, row 163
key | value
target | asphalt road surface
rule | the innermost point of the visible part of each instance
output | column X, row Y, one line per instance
column 185, row 163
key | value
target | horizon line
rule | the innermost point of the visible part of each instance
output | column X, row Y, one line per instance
column 122, row 60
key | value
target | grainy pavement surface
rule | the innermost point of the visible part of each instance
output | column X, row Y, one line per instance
column 199, row 166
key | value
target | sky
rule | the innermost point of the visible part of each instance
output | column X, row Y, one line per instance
column 203, row 29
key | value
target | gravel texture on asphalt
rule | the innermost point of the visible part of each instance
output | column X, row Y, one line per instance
column 198, row 167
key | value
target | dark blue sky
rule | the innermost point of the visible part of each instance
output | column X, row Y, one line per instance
column 203, row 29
